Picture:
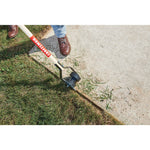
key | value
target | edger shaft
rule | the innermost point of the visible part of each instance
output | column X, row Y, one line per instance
column 72, row 79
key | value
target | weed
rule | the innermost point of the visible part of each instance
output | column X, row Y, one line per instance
column 106, row 95
column 76, row 63
column 89, row 85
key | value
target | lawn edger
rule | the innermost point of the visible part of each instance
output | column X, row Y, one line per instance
column 72, row 79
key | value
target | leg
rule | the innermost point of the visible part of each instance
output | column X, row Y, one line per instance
column 13, row 31
column 64, row 45
column 60, row 30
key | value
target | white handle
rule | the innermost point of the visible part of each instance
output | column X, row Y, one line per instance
column 25, row 30
column 39, row 45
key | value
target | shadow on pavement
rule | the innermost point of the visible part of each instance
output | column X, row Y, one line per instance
column 51, row 44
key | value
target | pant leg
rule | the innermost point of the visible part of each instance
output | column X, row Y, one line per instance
column 60, row 30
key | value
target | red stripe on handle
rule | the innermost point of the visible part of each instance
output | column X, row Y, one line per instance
column 40, row 46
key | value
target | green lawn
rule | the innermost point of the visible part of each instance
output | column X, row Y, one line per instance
column 31, row 95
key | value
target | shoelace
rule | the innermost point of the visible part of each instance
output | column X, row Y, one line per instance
column 63, row 40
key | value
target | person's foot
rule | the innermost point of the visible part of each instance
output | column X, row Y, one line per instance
column 13, row 31
column 64, row 46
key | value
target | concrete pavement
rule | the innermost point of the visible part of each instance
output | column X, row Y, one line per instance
column 114, row 63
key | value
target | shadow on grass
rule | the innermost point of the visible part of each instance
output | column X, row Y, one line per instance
column 46, row 84
column 3, row 27
column 16, row 50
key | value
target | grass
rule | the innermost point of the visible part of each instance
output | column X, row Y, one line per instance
column 31, row 95
column 106, row 95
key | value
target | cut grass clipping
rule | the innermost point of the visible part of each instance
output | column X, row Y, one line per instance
column 31, row 95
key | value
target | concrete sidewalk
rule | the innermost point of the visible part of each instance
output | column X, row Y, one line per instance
column 114, row 64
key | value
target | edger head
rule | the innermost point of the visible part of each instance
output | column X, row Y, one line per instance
column 72, row 79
